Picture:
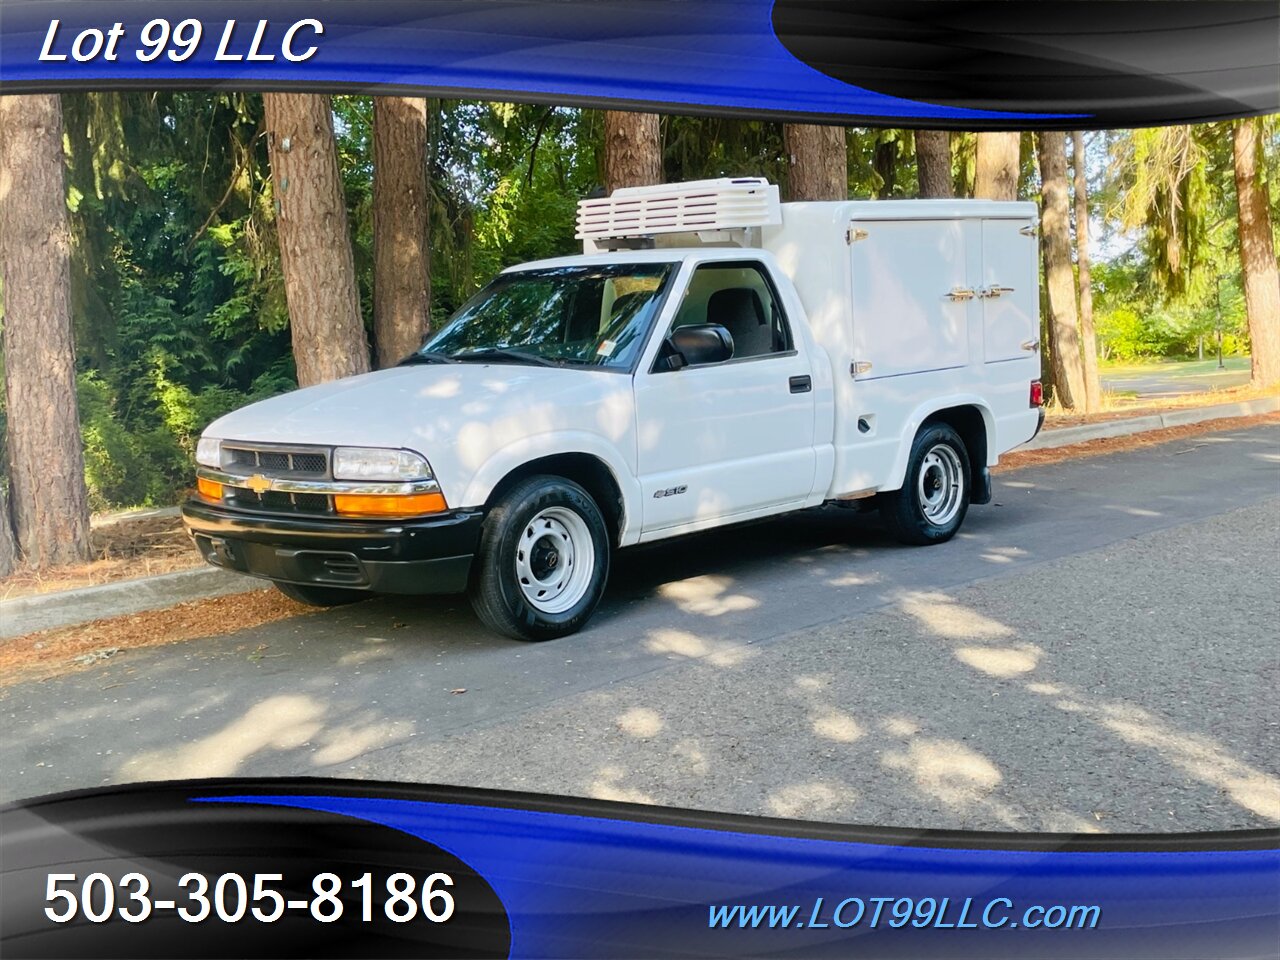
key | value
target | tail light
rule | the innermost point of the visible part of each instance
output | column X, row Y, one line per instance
column 1037, row 393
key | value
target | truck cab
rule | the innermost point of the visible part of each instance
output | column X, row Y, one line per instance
column 713, row 357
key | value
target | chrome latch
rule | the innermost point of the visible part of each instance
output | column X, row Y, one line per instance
column 1031, row 346
column 858, row 367
column 960, row 294
column 993, row 291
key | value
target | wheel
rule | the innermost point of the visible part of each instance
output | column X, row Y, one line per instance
column 935, row 492
column 543, row 561
column 314, row 595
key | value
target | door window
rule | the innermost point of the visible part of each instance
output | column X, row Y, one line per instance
column 740, row 298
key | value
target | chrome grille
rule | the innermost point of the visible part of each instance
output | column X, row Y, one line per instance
column 304, row 463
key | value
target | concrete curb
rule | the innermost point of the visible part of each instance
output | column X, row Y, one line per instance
column 46, row 611
column 67, row 607
column 1067, row 436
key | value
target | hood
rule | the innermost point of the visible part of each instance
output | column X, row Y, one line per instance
column 456, row 415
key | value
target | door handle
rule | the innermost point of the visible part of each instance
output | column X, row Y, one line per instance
column 960, row 294
column 801, row 384
column 993, row 291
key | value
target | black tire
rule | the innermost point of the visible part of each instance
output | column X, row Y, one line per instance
column 510, row 539
column 906, row 512
column 315, row 595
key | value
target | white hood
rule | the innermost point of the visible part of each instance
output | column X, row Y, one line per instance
column 459, row 415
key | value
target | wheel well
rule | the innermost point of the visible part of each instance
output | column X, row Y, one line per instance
column 589, row 472
column 968, row 422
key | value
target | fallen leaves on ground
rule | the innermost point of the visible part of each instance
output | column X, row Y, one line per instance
column 123, row 550
column 37, row 656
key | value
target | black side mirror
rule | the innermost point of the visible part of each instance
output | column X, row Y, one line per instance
column 697, row 344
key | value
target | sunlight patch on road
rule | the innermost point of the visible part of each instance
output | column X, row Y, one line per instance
column 278, row 723
column 608, row 786
column 349, row 742
column 941, row 615
column 1002, row 662
column 679, row 643
column 838, row 726
column 946, row 770
column 808, row 800
column 706, row 596
column 641, row 722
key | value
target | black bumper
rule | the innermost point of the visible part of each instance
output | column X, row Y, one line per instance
column 427, row 555
column 1039, row 424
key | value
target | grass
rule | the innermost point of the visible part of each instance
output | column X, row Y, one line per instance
column 1175, row 369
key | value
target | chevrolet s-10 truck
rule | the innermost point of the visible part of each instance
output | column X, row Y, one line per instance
column 714, row 356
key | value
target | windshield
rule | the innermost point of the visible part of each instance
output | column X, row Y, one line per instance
column 589, row 315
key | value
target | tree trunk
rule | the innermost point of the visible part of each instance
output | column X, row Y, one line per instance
column 996, row 166
column 1257, row 256
column 632, row 149
column 49, row 499
column 1055, row 230
column 818, row 159
column 1088, row 338
column 8, row 549
column 315, row 246
column 933, row 163
column 401, row 252
column 885, row 163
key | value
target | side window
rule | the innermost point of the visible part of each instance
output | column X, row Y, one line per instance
column 740, row 298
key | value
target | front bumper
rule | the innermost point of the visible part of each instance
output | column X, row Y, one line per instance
column 419, row 556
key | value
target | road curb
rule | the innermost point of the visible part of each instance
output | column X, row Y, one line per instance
column 1068, row 436
column 66, row 608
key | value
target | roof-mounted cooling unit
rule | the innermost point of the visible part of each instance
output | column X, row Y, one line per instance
column 701, row 206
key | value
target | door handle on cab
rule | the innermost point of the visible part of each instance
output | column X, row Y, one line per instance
column 802, row 384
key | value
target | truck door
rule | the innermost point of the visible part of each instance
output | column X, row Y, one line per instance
column 727, row 439
column 1010, row 300
column 911, row 296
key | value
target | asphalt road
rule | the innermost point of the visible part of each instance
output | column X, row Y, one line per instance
column 1099, row 650
column 1163, row 381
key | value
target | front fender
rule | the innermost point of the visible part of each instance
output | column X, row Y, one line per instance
column 535, row 447
column 922, row 413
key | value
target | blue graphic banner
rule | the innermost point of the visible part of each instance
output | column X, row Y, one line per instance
column 908, row 62
column 340, row 868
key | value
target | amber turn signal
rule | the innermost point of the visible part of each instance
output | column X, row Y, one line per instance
column 209, row 489
column 400, row 505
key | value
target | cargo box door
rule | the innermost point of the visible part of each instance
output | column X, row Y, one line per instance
column 1009, row 290
column 906, row 318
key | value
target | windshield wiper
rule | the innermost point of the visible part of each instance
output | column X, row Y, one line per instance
column 414, row 359
column 503, row 353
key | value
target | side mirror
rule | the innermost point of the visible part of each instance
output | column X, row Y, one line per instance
column 697, row 344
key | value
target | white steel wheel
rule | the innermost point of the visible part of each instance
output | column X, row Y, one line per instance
column 940, row 484
column 932, row 502
column 555, row 560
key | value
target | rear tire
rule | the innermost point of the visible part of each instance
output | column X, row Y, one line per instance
column 543, row 561
column 314, row 595
column 934, row 497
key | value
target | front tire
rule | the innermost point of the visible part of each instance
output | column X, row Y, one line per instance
column 543, row 561
column 314, row 595
column 934, row 497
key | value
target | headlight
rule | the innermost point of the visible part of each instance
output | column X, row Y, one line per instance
column 371, row 463
column 209, row 452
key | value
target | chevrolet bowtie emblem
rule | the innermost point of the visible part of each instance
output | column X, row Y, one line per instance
column 258, row 484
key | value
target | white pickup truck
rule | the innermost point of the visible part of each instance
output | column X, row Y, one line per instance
column 713, row 357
